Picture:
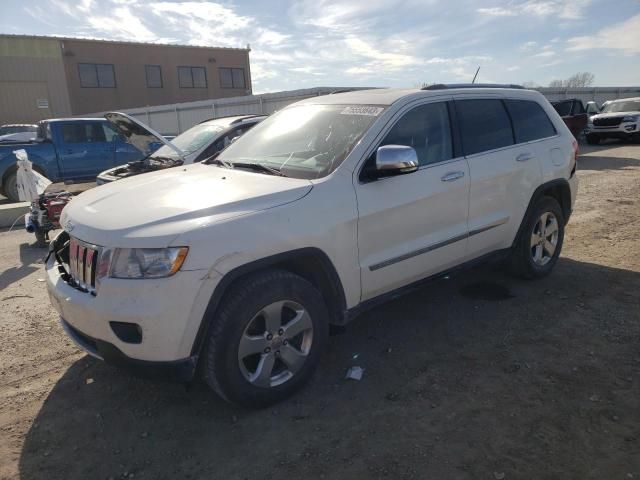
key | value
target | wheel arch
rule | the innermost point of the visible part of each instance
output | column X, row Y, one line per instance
column 558, row 189
column 310, row 263
column 14, row 168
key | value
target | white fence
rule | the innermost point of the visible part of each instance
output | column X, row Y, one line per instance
column 590, row 94
column 176, row 118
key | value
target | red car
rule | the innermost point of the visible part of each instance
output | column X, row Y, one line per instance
column 573, row 113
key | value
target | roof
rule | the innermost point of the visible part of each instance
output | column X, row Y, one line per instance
column 17, row 125
column 231, row 119
column 76, row 119
column 387, row 96
column 377, row 96
column 121, row 42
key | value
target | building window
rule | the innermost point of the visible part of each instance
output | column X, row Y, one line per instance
column 192, row 77
column 232, row 77
column 154, row 76
column 96, row 75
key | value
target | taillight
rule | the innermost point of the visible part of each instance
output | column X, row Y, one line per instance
column 576, row 150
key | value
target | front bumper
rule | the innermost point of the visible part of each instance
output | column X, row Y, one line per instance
column 178, row 370
column 165, row 311
column 624, row 130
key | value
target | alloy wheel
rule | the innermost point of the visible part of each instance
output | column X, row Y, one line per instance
column 275, row 344
column 544, row 239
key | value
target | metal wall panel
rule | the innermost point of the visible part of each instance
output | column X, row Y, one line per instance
column 31, row 63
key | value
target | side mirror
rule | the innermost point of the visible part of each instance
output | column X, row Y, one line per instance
column 396, row 160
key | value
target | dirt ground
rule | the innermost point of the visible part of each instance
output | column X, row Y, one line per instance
column 477, row 377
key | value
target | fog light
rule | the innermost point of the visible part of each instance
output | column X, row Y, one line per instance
column 127, row 332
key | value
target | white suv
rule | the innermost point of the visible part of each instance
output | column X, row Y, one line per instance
column 618, row 119
column 326, row 208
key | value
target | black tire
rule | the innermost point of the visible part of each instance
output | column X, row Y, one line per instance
column 220, row 361
column 523, row 260
column 10, row 187
column 593, row 139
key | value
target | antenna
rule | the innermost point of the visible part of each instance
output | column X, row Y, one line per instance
column 475, row 76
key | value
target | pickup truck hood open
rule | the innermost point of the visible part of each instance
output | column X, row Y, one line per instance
column 153, row 209
column 137, row 133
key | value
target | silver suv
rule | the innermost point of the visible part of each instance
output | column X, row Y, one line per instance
column 618, row 119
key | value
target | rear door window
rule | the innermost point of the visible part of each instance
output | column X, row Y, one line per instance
column 84, row 132
column 530, row 121
column 484, row 125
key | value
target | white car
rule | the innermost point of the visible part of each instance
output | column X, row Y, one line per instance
column 324, row 209
column 194, row 145
column 617, row 119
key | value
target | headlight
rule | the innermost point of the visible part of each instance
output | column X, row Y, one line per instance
column 631, row 118
column 147, row 262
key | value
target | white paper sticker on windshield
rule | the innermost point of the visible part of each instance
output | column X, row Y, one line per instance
column 362, row 110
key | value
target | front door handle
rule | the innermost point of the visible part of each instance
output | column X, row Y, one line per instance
column 452, row 176
column 523, row 157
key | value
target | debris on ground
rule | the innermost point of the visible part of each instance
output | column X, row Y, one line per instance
column 354, row 373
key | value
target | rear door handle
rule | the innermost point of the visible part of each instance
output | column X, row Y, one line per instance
column 523, row 157
column 452, row 176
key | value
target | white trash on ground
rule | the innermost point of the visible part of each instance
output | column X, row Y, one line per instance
column 30, row 183
column 355, row 373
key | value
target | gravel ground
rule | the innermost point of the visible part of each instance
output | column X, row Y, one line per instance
column 477, row 377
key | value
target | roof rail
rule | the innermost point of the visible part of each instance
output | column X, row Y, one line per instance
column 447, row 86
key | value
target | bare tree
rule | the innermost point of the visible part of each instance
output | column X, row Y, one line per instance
column 580, row 79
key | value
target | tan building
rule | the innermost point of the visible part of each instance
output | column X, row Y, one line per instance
column 45, row 77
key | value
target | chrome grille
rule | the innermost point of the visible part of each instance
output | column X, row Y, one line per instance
column 83, row 260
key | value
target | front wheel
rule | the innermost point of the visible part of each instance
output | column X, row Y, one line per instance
column 265, row 340
column 593, row 139
column 540, row 242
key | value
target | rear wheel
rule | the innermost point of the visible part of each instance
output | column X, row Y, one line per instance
column 538, row 247
column 593, row 139
column 266, row 339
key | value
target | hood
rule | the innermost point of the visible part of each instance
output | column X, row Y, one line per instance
column 153, row 209
column 615, row 114
column 137, row 133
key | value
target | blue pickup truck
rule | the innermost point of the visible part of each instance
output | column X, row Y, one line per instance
column 73, row 149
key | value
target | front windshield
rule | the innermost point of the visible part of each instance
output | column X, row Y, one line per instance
column 303, row 141
column 628, row 106
column 190, row 141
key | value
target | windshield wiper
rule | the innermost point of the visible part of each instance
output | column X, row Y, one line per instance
column 161, row 159
column 217, row 161
column 259, row 167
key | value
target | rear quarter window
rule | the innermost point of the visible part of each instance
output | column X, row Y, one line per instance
column 484, row 125
column 530, row 121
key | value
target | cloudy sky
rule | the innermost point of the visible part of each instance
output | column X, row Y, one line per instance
column 306, row 43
